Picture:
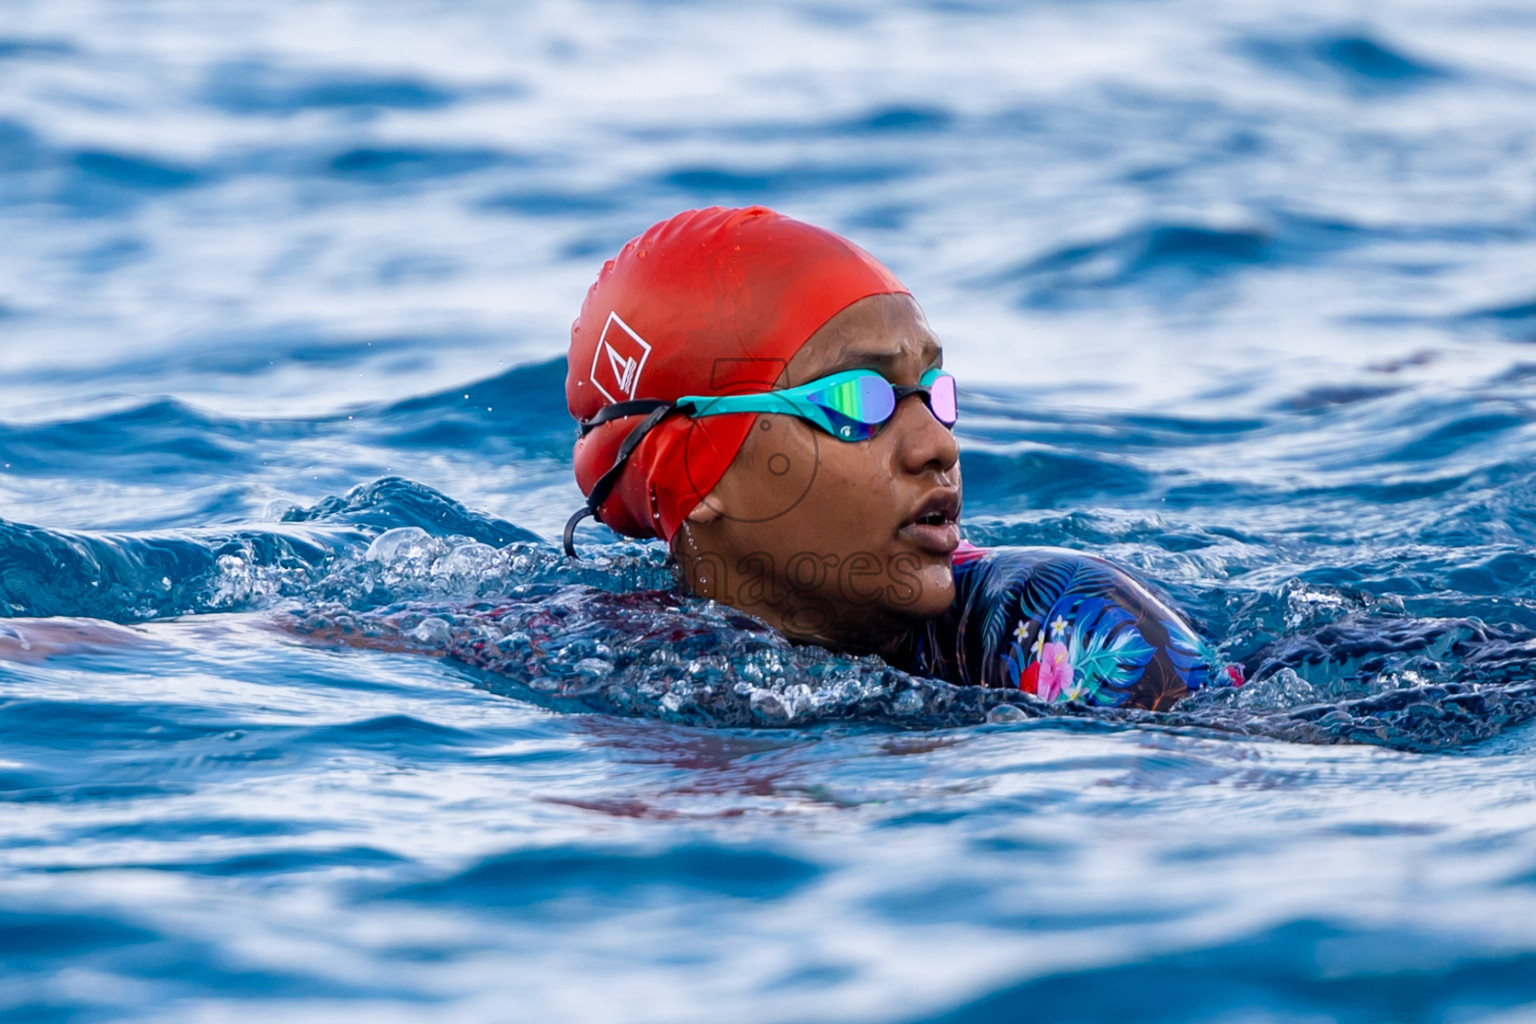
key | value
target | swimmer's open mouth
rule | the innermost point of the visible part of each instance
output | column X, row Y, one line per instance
column 935, row 525
column 939, row 508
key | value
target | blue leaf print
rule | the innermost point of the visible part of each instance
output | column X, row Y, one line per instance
column 1107, row 651
column 1056, row 579
column 1191, row 657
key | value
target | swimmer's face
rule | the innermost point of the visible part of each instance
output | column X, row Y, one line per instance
column 843, row 543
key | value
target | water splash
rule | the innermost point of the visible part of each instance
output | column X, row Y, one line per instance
column 397, row 566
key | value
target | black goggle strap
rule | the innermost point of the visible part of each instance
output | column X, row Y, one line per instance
column 619, row 410
column 658, row 410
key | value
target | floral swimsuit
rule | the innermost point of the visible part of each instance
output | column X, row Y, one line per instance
column 1064, row 626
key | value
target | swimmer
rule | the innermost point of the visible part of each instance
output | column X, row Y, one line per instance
column 767, row 399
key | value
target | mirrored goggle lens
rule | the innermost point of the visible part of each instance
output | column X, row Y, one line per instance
column 865, row 400
column 942, row 400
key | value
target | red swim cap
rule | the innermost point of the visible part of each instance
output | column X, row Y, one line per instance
column 710, row 302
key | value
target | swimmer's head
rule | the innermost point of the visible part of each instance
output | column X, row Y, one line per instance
column 828, row 510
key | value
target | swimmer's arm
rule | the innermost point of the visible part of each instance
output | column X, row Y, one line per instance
column 361, row 631
column 30, row 641
column 33, row 641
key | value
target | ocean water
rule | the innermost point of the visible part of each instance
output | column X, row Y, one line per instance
column 302, row 719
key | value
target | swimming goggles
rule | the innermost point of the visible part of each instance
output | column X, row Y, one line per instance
column 851, row 406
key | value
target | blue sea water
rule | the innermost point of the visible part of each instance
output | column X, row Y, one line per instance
column 1240, row 296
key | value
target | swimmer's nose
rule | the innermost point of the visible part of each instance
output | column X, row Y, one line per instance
column 925, row 443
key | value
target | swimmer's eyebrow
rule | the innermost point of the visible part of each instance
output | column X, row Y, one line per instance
column 884, row 360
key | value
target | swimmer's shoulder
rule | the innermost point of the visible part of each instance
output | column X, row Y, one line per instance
column 1015, row 606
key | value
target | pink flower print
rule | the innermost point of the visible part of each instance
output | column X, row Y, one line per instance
column 1055, row 671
